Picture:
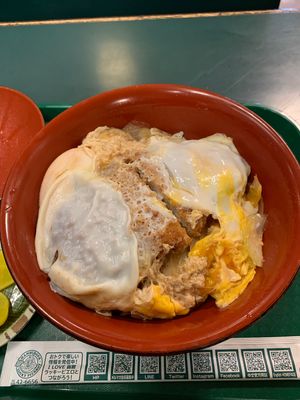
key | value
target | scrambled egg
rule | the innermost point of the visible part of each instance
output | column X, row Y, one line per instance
column 232, row 250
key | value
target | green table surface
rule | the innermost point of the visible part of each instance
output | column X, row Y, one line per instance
column 251, row 58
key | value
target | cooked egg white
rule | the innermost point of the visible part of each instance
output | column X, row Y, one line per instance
column 85, row 244
column 192, row 169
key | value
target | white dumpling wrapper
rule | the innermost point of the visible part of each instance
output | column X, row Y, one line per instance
column 85, row 244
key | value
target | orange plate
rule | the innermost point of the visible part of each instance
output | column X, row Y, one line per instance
column 20, row 119
column 172, row 108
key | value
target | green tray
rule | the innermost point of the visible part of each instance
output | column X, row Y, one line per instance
column 281, row 320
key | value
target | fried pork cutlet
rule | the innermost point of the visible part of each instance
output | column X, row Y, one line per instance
column 156, row 228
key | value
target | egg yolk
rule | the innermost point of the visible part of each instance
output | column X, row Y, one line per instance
column 160, row 305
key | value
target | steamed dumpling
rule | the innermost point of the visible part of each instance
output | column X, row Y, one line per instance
column 85, row 244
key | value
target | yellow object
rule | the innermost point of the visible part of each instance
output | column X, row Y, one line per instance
column 231, row 249
column 254, row 193
column 4, row 308
column 235, row 289
column 5, row 277
column 160, row 305
column 230, row 267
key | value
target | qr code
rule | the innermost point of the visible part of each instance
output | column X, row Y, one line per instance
column 202, row 362
column 281, row 360
column 96, row 364
column 228, row 361
column 149, row 365
column 254, row 361
column 175, row 364
column 123, row 364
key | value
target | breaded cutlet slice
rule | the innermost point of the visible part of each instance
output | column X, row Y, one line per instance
column 156, row 228
column 194, row 221
column 112, row 144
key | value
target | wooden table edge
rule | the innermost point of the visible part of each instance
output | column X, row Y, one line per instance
column 150, row 17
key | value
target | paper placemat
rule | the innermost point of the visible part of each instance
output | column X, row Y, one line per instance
column 34, row 363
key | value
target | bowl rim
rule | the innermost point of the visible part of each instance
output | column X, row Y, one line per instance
column 257, row 311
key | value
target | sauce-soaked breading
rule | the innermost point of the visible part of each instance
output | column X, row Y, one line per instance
column 156, row 228
column 110, row 144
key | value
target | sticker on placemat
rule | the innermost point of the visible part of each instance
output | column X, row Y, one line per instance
column 61, row 366
column 33, row 363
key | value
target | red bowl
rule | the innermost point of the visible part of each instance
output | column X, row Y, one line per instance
column 172, row 108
